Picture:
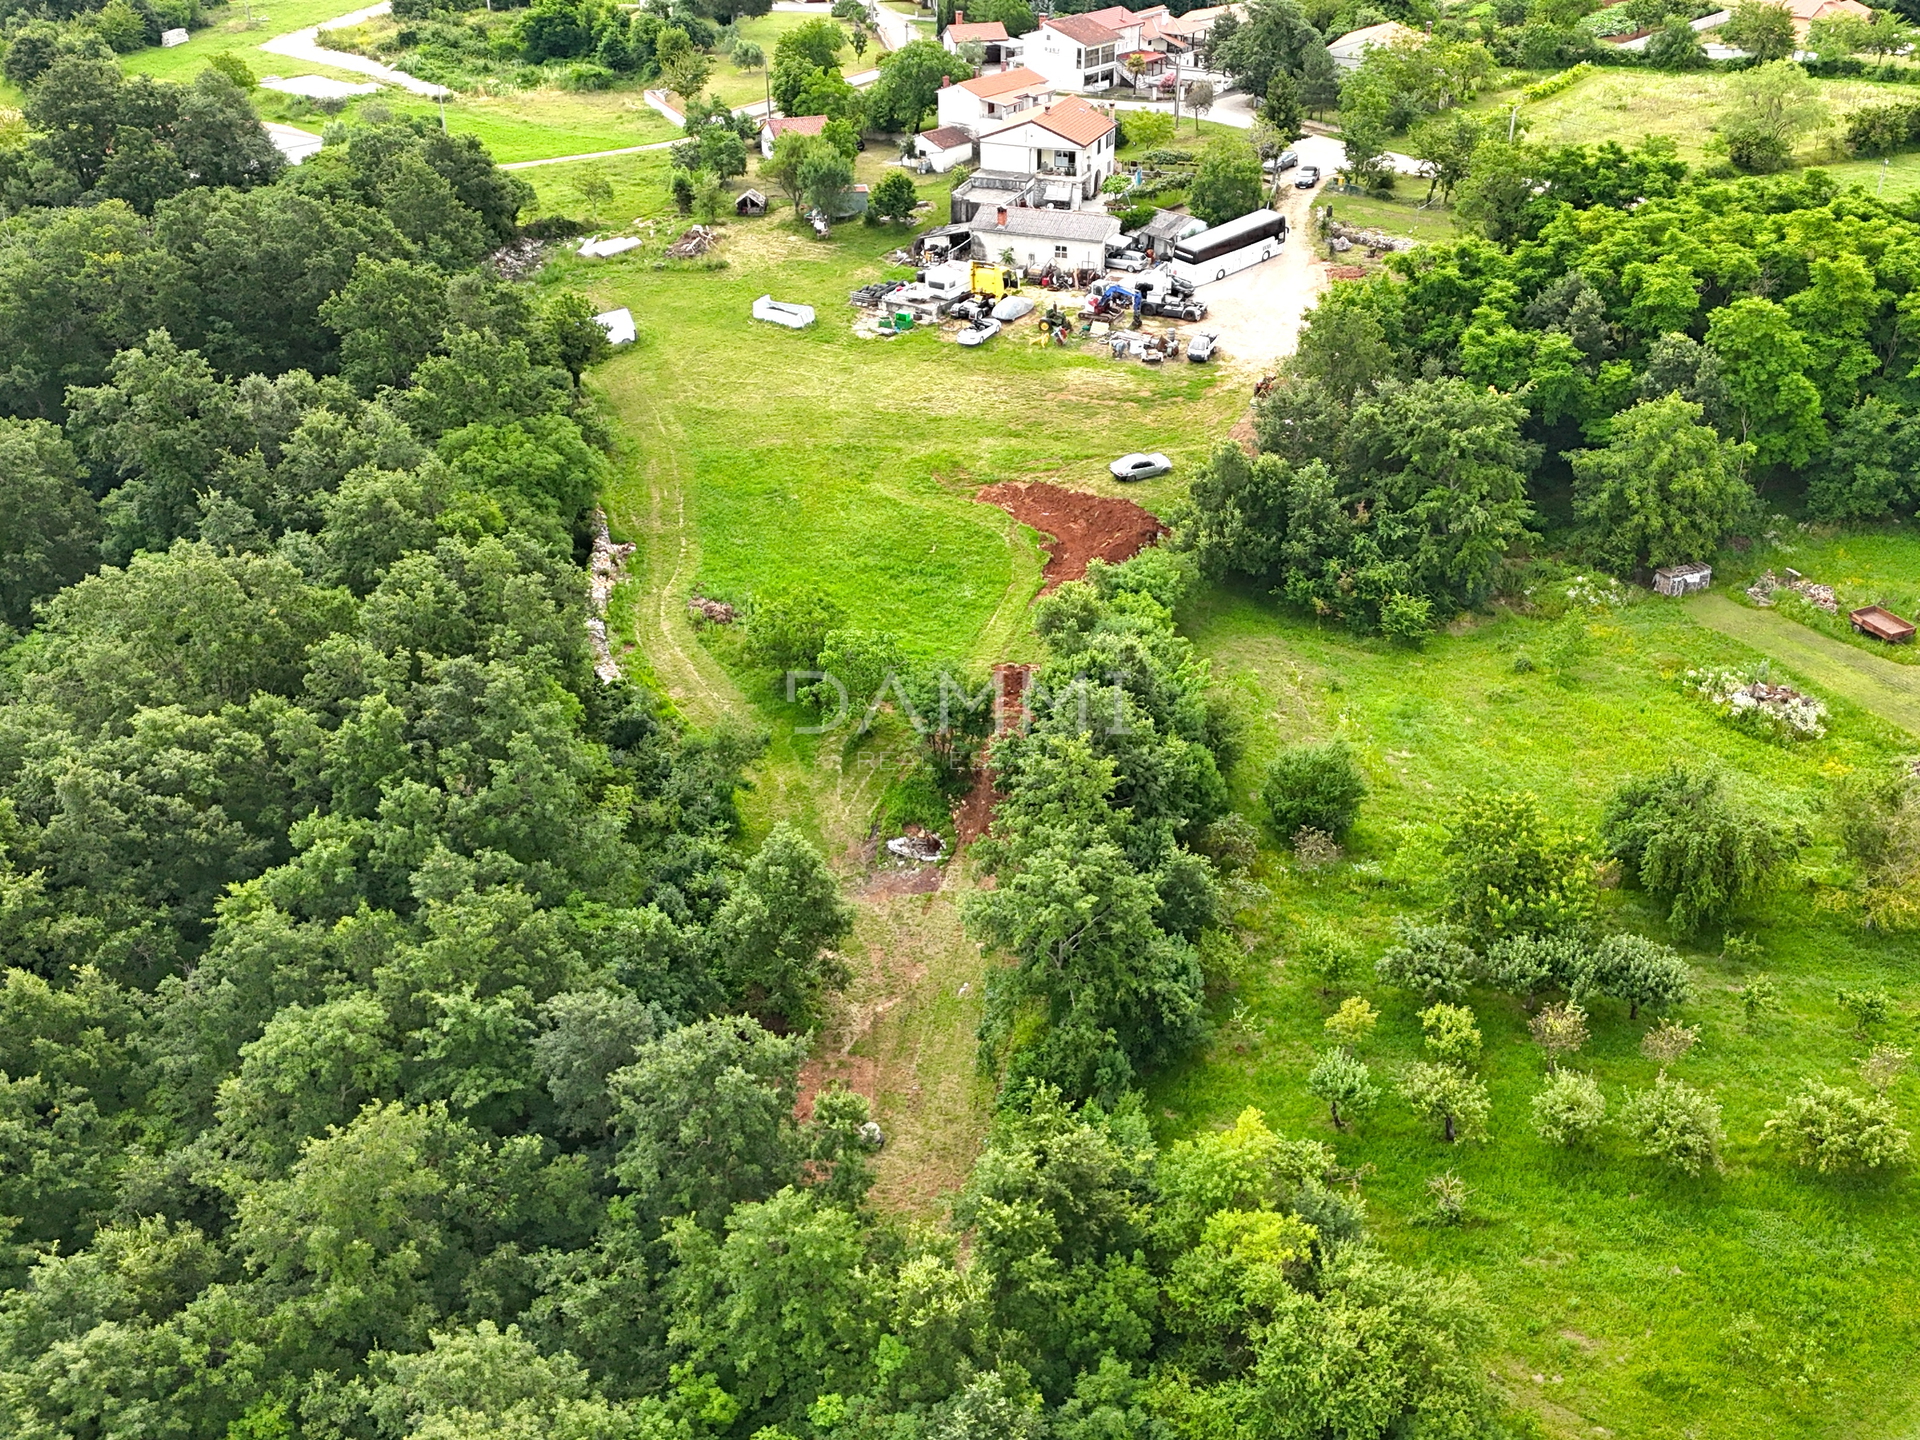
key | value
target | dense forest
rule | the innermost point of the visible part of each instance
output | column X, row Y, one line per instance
column 400, row 1039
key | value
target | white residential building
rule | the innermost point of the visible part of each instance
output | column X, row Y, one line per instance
column 773, row 128
column 944, row 148
column 1001, row 50
column 1071, row 239
column 1069, row 142
column 989, row 101
column 1351, row 48
column 1077, row 52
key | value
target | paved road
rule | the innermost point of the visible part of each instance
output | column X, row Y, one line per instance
column 1888, row 690
column 305, row 45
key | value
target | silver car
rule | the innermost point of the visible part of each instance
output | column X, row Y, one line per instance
column 1140, row 467
column 1200, row 347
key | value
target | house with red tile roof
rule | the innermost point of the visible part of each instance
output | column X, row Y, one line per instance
column 988, row 101
column 1077, row 52
column 773, row 128
column 1070, row 144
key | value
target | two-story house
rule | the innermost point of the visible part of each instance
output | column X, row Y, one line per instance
column 1068, row 144
column 1076, row 52
column 987, row 102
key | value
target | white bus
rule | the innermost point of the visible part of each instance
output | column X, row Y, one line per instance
column 1217, row 253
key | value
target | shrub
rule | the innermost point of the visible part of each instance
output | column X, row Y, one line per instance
column 1353, row 1022
column 1449, row 1194
column 1559, row 1030
column 234, row 68
column 1669, row 1041
column 1339, row 1079
column 1328, row 954
column 1449, row 1096
column 1829, row 1129
column 1757, row 996
column 1569, row 1109
column 1868, row 1007
column 1406, row 618
column 1524, row 965
column 1428, row 960
column 1315, row 850
column 1681, row 838
column 1452, row 1036
column 1317, row 787
column 1883, row 1066
column 1676, row 1124
column 1137, row 217
column 894, row 197
column 1510, row 873
column 1639, row 971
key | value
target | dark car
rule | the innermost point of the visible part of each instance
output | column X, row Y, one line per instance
column 1284, row 161
column 1308, row 178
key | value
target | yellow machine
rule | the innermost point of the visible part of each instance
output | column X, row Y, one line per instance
column 993, row 280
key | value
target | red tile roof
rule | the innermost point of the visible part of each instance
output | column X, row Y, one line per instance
column 947, row 137
column 1071, row 119
column 985, row 30
column 1082, row 29
column 795, row 125
column 1006, row 82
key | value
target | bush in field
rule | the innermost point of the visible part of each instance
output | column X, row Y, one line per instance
column 1449, row 1096
column 1428, row 960
column 1314, row 787
column 1524, row 965
column 1674, row 1123
column 1451, row 1035
column 1638, row 971
column 1353, row 1022
column 1328, row 954
column 1829, row 1129
column 1683, row 839
column 1511, row 873
column 1569, row 1109
column 1559, row 1030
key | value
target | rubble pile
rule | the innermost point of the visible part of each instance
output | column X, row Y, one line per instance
column 1338, row 231
column 1761, row 592
column 517, row 259
column 694, row 242
column 604, row 570
column 717, row 612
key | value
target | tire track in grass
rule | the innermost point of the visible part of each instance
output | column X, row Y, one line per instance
column 1885, row 689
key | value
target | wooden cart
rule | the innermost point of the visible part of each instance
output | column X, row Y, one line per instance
column 1881, row 624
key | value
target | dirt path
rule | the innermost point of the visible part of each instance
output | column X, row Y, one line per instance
column 1888, row 690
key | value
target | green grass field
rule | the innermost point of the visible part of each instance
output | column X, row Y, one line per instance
column 228, row 31
column 1764, row 1302
column 742, row 87
column 1626, row 105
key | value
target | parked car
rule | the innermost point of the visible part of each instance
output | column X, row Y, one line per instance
column 1128, row 260
column 1140, row 467
column 1200, row 346
column 1285, row 161
column 1309, row 177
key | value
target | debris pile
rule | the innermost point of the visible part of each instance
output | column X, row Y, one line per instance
column 1761, row 592
column 868, row 296
column 694, row 242
column 716, row 612
column 1343, row 236
column 1347, row 272
column 919, row 845
column 604, row 571
column 517, row 259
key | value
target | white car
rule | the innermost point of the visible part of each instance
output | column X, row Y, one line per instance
column 1140, row 467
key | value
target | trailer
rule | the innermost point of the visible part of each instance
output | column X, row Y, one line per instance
column 1227, row 249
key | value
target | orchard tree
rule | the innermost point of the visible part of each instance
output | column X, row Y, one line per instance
column 1449, row 1096
column 1666, row 488
column 1341, row 1080
column 1773, row 106
column 1452, row 1036
column 1509, row 872
column 1569, row 1110
column 1639, row 971
column 1430, row 961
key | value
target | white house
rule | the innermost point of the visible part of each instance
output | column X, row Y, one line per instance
column 1071, row 239
column 944, row 148
column 1077, row 52
column 1351, row 48
column 1068, row 141
column 1193, row 28
column 1000, row 49
column 987, row 101
column 772, row 129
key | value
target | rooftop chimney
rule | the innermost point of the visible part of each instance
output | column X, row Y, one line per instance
column 959, row 17
column 945, row 80
column 1001, row 218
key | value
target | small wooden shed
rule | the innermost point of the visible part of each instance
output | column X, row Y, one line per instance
column 750, row 202
column 1882, row 624
column 1682, row 579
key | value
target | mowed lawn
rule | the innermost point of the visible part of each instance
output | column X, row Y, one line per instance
column 822, row 459
column 1764, row 1302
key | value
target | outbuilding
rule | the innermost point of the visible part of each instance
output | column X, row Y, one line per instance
column 1070, row 239
column 1682, row 579
column 750, row 202
column 944, row 148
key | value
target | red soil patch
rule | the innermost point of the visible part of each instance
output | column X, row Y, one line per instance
column 975, row 813
column 1347, row 272
column 1084, row 527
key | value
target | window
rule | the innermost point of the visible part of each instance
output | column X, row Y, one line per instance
column 1059, row 252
